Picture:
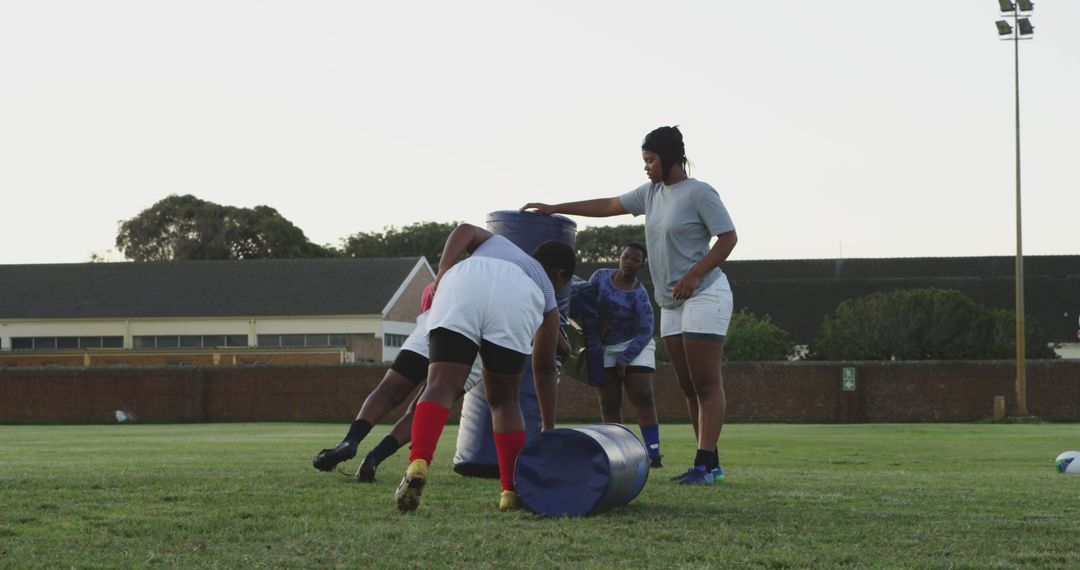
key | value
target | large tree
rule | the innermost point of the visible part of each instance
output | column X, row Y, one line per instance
column 422, row 238
column 185, row 227
column 597, row 244
column 603, row 244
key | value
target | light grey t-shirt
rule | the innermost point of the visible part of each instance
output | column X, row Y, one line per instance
column 499, row 247
column 680, row 220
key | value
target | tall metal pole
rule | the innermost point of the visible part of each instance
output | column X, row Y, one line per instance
column 1021, row 376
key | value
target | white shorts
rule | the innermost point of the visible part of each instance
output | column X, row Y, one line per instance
column 647, row 356
column 707, row 312
column 489, row 299
column 417, row 342
column 417, row 339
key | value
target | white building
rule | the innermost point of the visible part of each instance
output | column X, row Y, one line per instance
column 367, row 306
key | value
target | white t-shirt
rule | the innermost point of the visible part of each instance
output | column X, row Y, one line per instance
column 498, row 247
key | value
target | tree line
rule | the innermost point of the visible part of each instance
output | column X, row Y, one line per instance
column 188, row 228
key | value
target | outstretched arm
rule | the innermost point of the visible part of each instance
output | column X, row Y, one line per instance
column 545, row 372
column 595, row 208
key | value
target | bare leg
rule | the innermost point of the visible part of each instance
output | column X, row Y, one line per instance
column 389, row 394
column 446, row 380
column 610, row 397
column 504, row 401
column 639, row 389
column 398, row 437
column 402, row 430
column 677, row 353
column 703, row 358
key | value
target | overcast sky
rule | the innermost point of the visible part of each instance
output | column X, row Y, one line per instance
column 849, row 128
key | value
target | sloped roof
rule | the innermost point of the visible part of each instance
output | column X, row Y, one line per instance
column 280, row 287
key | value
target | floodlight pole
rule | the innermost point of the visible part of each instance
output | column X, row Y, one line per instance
column 1021, row 375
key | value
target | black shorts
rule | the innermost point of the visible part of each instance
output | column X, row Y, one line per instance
column 446, row 345
column 411, row 365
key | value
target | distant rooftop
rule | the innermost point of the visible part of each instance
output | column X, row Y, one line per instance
column 285, row 287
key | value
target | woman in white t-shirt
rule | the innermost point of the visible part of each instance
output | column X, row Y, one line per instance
column 682, row 216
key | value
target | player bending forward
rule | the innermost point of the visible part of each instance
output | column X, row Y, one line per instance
column 408, row 371
column 500, row 303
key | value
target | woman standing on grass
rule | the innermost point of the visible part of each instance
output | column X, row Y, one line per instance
column 626, row 318
column 681, row 217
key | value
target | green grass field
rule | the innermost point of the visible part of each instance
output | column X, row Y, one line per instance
column 824, row 496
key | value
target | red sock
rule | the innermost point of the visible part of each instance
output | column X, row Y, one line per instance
column 508, row 446
column 427, row 425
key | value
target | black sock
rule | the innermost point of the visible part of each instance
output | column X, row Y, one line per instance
column 357, row 432
column 707, row 459
column 387, row 447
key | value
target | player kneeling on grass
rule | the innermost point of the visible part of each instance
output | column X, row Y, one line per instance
column 408, row 371
column 500, row 303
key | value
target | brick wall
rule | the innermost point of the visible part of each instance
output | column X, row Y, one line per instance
column 756, row 392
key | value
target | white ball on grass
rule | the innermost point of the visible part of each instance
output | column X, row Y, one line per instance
column 1068, row 462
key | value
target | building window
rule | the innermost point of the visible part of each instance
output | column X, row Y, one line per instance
column 66, row 342
column 394, row 340
column 188, row 341
column 293, row 340
column 321, row 340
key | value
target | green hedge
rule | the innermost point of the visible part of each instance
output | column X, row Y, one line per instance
column 923, row 324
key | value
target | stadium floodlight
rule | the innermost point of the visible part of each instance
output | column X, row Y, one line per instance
column 1006, row 32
